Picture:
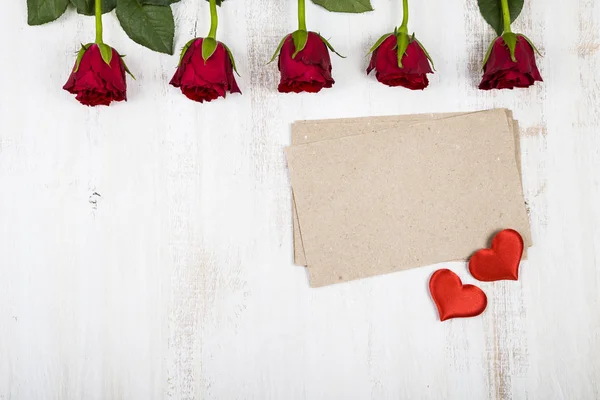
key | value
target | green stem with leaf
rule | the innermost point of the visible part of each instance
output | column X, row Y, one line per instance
column 98, row 12
column 404, row 26
column 214, row 20
column 506, row 15
column 301, row 15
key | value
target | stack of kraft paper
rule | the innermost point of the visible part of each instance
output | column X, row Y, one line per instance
column 383, row 194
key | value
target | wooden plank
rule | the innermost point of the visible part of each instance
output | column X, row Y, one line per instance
column 145, row 248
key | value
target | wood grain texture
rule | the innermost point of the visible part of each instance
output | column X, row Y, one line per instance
column 145, row 248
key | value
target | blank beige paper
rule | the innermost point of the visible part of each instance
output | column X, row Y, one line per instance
column 312, row 131
column 317, row 130
column 404, row 197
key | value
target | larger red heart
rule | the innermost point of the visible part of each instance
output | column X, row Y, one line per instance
column 501, row 262
column 453, row 299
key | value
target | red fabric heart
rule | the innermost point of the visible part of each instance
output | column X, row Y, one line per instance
column 501, row 262
column 452, row 298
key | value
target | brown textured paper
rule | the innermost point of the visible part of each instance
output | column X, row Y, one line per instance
column 317, row 130
column 404, row 197
column 311, row 131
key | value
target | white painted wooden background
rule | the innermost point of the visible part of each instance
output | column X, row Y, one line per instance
column 146, row 248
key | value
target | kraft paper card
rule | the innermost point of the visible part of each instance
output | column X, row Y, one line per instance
column 316, row 130
column 405, row 196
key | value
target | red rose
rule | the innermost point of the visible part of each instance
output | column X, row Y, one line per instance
column 310, row 70
column 206, row 80
column 503, row 72
column 415, row 64
column 94, row 81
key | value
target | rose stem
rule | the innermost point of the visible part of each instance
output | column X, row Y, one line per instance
column 99, row 21
column 301, row 15
column 506, row 15
column 214, row 19
column 404, row 26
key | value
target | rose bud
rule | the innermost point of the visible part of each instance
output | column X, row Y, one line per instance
column 400, row 60
column 304, row 63
column 98, row 77
column 205, row 71
column 510, row 63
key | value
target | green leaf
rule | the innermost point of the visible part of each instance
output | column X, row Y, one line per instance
column 348, row 6
column 378, row 42
column 424, row 51
column 492, row 12
column 184, row 50
column 230, row 54
column 105, row 52
column 126, row 67
column 402, row 45
column 86, row 7
column 151, row 26
column 330, row 46
column 487, row 54
column 43, row 11
column 531, row 44
column 510, row 40
column 159, row 2
column 278, row 49
column 80, row 54
column 209, row 45
column 300, row 38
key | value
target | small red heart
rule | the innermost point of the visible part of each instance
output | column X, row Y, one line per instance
column 501, row 262
column 452, row 298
